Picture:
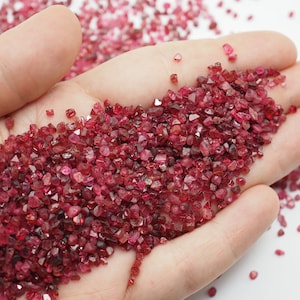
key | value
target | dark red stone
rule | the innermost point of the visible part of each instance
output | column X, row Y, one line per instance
column 127, row 177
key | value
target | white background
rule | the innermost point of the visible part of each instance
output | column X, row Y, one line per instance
column 279, row 276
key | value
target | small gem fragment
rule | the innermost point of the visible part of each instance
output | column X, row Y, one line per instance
column 9, row 123
column 253, row 275
column 50, row 112
column 174, row 78
column 229, row 52
column 212, row 291
column 177, row 57
column 70, row 113
column 279, row 252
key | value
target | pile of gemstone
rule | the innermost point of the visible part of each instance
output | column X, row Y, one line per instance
column 127, row 177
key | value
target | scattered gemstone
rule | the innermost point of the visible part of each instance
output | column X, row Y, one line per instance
column 70, row 113
column 229, row 52
column 50, row 112
column 292, row 109
column 212, row 291
column 279, row 252
column 253, row 275
column 9, row 123
column 174, row 78
column 177, row 57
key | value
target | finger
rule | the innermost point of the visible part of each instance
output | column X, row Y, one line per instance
column 188, row 263
column 137, row 77
column 35, row 55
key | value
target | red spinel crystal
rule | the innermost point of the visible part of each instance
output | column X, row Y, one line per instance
column 177, row 57
column 253, row 275
column 70, row 113
column 212, row 291
column 279, row 252
column 227, row 49
column 174, row 78
column 9, row 123
column 50, row 112
column 127, row 177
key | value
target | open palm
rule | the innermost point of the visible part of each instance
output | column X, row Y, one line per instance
column 37, row 54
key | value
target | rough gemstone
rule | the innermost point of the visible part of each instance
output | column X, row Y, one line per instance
column 212, row 291
column 253, row 275
column 174, row 78
column 177, row 57
column 127, row 177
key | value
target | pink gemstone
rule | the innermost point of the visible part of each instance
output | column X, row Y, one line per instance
column 232, row 57
column 70, row 113
column 4, row 197
column 34, row 202
column 74, row 138
column 89, row 248
column 22, row 234
column 174, row 78
column 282, row 220
column 9, row 123
column 213, row 25
column 160, row 158
column 145, row 154
column 78, row 177
column 279, row 252
column 260, row 70
column 221, row 193
column 73, row 211
column 50, row 112
column 177, row 57
column 66, row 170
column 3, row 236
column 212, row 291
column 104, row 150
column 204, row 148
column 227, row 49
column 292, row 109
column 109, row 251
column 73, row 239
column 133, row 237
column 253, row 275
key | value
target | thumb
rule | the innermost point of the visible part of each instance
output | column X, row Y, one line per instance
column 35, row 55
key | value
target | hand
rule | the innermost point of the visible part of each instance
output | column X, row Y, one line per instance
column 30, row 74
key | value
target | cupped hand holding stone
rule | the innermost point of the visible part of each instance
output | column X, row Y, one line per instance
column 37, row 54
